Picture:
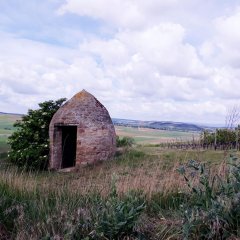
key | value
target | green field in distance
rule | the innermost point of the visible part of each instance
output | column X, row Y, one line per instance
column 154, row 136
column 6, row 129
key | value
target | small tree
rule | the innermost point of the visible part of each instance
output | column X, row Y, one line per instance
column 30, row 142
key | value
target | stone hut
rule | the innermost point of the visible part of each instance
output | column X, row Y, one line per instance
column 81, row 132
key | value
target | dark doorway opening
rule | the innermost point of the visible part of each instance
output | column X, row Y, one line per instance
column 69, row 142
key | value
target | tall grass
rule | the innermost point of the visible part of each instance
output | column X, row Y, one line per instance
column 59, row 211
column 147, row 190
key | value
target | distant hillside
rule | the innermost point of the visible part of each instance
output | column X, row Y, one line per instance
column 163, row 125
column 14, row 114
column 7, row 120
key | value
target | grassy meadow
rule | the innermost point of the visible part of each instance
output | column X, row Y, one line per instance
column 154, row 136
column 60, row 204
column 6, row 129
column 139, row 194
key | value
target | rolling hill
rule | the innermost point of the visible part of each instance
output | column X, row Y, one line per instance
column 161, row 125
column 7, row 120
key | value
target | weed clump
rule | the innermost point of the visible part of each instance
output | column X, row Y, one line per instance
column 125, row 141
column 213, row 209
column 59, row 215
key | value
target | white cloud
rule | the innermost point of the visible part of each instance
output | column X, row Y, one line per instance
column 133, row 73
column 126, row 13
column 223, row 48
column 107, row 10
column 31, row 72
column 228, row 35
column 222, row 53
column 151, row 63
column 148, row 67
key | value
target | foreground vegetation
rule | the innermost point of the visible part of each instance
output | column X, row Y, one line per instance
column 30, row 141
column 144, row 193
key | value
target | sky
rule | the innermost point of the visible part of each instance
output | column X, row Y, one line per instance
column 166, row 60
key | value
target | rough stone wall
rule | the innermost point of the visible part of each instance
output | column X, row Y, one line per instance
column 96, row 138
column 54, row 148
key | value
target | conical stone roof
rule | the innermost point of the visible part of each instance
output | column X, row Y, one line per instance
column 81, row 108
